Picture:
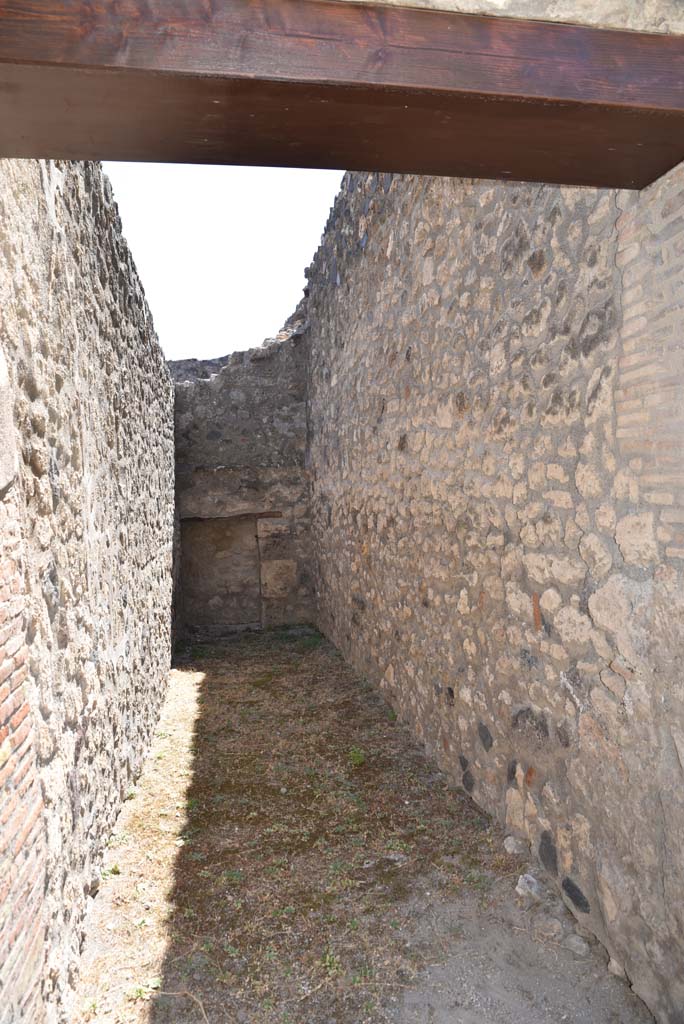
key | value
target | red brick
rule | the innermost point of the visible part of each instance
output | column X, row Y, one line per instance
column 19, row 676
column 17, row 738
column 20, row 715
column 25, row 832
column 25, row 748
column 25, row 770
column 8, row 808
column 13, row 645
column 9, row 706
column 11, row 829
column 21, row 657
column 6, row 668
column 6, row 774
column 26, row 959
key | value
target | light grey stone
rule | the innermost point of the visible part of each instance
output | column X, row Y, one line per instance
column 516, row 847
column 8, row 446
column 530, row 889
column 576, row 944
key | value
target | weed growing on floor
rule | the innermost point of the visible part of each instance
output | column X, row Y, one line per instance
column 305, row 821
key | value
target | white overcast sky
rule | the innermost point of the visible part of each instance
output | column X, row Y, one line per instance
column 221, row 251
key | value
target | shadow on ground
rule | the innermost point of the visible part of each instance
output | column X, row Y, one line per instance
column 289, row 857
column 311, row 819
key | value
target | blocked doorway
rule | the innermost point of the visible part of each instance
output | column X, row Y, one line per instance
column 239, row 572
column 220, row 575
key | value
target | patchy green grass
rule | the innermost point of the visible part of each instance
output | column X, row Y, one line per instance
column 315, row 815
column 357, row 757
column 275, row 866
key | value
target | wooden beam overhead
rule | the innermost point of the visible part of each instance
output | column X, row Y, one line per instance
column 308, row 83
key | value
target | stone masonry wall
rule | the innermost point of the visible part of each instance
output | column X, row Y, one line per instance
column 85, row 561
column 497, row 459
column 243, row 490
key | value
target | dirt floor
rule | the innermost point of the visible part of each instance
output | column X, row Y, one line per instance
column 289, row 857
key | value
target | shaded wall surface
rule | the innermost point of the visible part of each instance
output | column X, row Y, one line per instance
column 242, row 490
column 86, row 519
column 497, row 456
column 638, row 15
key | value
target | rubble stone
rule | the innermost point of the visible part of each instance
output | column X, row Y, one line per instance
column 489, row 458
column 85, row 560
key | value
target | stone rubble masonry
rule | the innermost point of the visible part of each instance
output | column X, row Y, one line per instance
column 8, row 455
column 243, row 489
column 465, row 454
column 183, row 370
column 86, row 519
column 664, row 16
column 496, row 449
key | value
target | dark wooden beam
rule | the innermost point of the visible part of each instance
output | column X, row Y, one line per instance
column 308, row 83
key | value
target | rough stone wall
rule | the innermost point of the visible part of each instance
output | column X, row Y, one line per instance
column 242, row 490
column 85, row 558
column 183, row 370
column 497, row 459
column 638, row 15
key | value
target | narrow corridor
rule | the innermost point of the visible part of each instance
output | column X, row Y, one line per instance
column 289, row 857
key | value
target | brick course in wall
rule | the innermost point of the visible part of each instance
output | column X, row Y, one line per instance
column 22, row 833
column 495, row 423
column 649, row 399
